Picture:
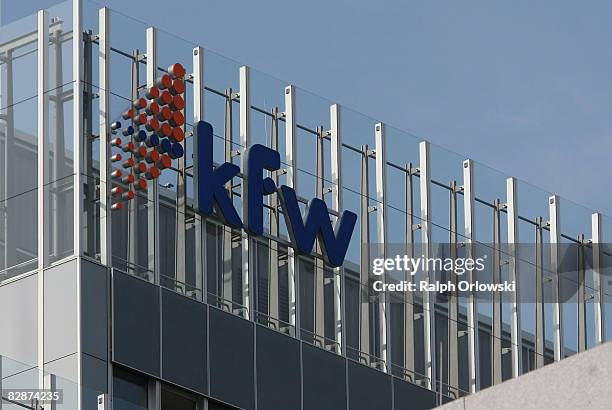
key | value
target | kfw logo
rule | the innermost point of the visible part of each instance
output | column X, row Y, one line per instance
column 303, row 231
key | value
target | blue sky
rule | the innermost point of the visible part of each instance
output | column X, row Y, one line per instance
column 521, row 86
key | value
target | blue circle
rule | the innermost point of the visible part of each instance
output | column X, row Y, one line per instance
column 177, row 150
column 153, row 140
column 116, row 125
column 165, row 145
column 128, row 131
column 142, row 135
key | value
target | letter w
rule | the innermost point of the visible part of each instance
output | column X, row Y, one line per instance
column 316, row 224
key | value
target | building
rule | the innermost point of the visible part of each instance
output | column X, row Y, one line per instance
column 159, row 305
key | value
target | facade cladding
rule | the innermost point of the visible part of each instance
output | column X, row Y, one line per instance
column 158, row 306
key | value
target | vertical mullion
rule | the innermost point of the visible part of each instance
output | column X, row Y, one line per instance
column 248, row 283
column 337, row 205
column 497, row 306
column 199, row 224
column 381, row 216
column 364, row 265
column 582, row 338
column 453, row 306
column 429, row 335
column 539, row 285
column 227, row 274
column 273, row 307
column 409, row 296
column 43, row 126
column 319, row 289
column 598, row 282
column 292, row 178
column 472, row 305
column 516, row 339
column 105, row 148
column 555, row 243
column 90, row 245
column 153, row 192
column 77, row 118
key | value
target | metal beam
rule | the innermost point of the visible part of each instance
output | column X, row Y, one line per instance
column 105, row 137
column 337, row 205
column 598, row 279
column 153, row 191
column 273, row 305
column 77, row 126
column 291, row 156
column 199, row 224
column 384, row 308
column 227, row 274
column 516, row 339
column 248, row 279
column 582, row 331
column 497, row 299
column 429, row 304
column 42, row 135
column 319, row 279
column 539, row 298
column 364, row 265
column 555, row 243
column 453, row 302
column 472, row 305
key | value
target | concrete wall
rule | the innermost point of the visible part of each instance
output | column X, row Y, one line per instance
column 582, row 381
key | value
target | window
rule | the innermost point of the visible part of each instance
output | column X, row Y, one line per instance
column 174, row 400
column 130, row 390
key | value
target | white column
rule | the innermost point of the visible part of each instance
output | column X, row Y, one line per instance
column 337, row 205
column 105, row 136
column 516, row 339
column 291, row 157
column 198, row 115
column 248, row 282
column 598, row 279
column 555, row 243
column 472, row 304
column 429, row 329
column 42, row 135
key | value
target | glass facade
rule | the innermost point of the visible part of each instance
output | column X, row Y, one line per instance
column 406, row 192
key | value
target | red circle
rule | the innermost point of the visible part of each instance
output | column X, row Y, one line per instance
column 116, row 173
column 154, row 156
column 116, row 142
column 178, row 86
column 153, row 124
column 165, row 161
column 165, row 114
column 178, row 134
column 178, row 118
column 128, row 163
column 164, row 81
column 142, row 119
column 166, row 129
column 141, row 184
column 153, row 92
column 128, row 114
column 141, row 151
column 153, row 108
column 165, row 98
column 141, row 167
column 154, row 172
column 129, row 195
column 178, row 103
column 129, row 179
column 177, row 70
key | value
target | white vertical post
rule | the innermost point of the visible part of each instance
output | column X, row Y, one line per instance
column 77, row 115
column 153, row 191
column 198, row 115
column 105, row 136
column 429, row 335
column 337, row 205
column 472, row 304
column 555, row 243
column 381, row 217
column 291, row 157
column 248, row 283
column 50, row 384
column 43, row 127
column 598, row 282
column 516, row 339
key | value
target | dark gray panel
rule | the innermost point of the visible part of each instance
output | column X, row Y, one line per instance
column 94, row 308
column 324, row 375
column 136, row 310
column 20, row 299
column 60, row 303
column 278, row 370
column 368, row 388
column 411, row 396
column 231, row 359
column 95, row 380
column 183, row 341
